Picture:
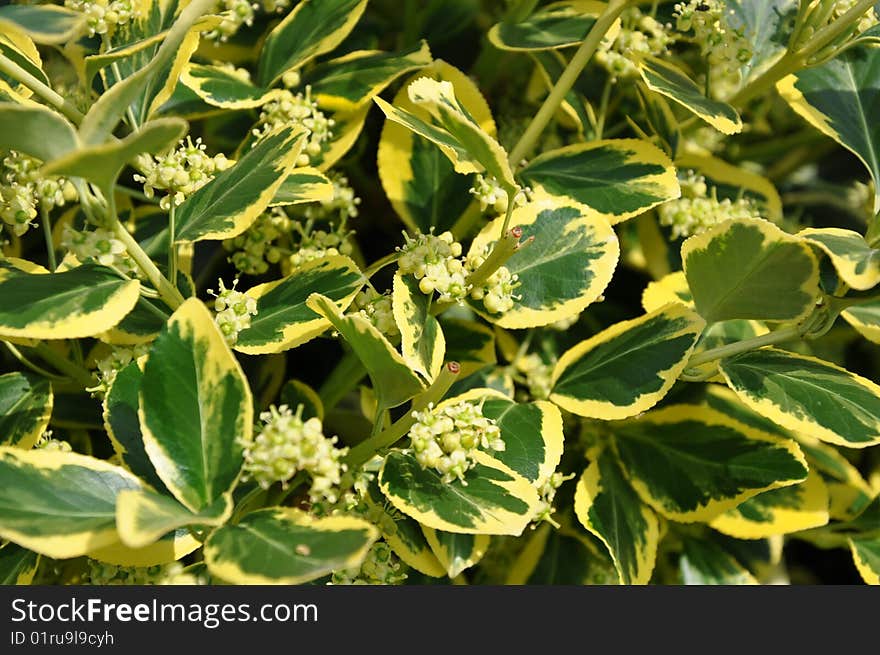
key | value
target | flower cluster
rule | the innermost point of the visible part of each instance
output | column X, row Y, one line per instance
column 316, row 244
column 434, row 261
column 289, row 109
column 119, row 357
column 234, row 311
column 377, row 309
column 640, row 34
column 180, row 172
column 492, row 197
column 547, row 491
column 380, row 567
column 104, row 16
column 23, row 189
column 341, row 206
column 48, row 442
column 287, row 445
column 447, row 437
column 233, row 14
column 255, row 248
column 725, row 47
column 538, row 375
column 697, row 210
column 100, row 245
column 101, row 573
column 497, row 290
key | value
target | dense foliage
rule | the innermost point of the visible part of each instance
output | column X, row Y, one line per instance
column 472, row 291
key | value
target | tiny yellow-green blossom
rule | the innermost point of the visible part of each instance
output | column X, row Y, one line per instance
column 377, row 309
column 640, row 34
column 234, row 311
column 316, row 244
column 493, row 198
column 23, row 189
column 289, row 109
column 104, row 16
column 380, row 567
column 287, row 445
column 446, row 438
column 180, row 172
column 547, row 488
column 100, row 245
column 538, row 375
column 255, row 248
column 101, row 573
column 697, row 210
column 434, row 262
column 108, row 367
column 233, row 14
column 47, row 442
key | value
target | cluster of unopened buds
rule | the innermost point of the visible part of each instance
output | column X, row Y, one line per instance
column 104, row 16
column 497, row 291
column 23, row 189
column 639, row 34
column 725, row 47
column 493, row 197
column 377, row 309
column 380, row 567
column 285, row 108
column 102, row 573
column 446, row 438
column 180, row 172
column 233, row 14
column 341, row 206
column 538, row 375
column 547, row 488
column 98, row 244
column 287, row 445
column 317, row 244
column 255, row 248
column 697, row 210
column 234, row 311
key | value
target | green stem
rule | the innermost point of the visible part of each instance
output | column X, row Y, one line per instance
column 21, row 75
column 722, row 352
column 172, row 245
column 150, row 307
column 47, row 235
column 567, row 79
column 503, row 250
column 77, row 373
column 246, row 503
column 394, row 432
column 603, row 107
column 345, row 377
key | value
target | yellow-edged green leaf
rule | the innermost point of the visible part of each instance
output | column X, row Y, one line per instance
column 125, row 56
column 494, row 500
column 347, row 128
column 669, row 80
column 767, row 24
column 46, row 24
column 557, row 25
column 403, row 534
column 25, row 408
column 422, row 343
column 283, row 321
column 608, row 507
column 669, row 288
column 36, row 131
column 575, row 109
column 733, row 182
column 704, row 562
column 456, row 552
column 419, row 180
column 865, row 318
column 393, row 381
column 196, row 411
column 120, row 414
column 311, row 29
column 807, row 396
column 143, row 517
column 286, row 546
column 348, row 82
column 295, row 393
column 227, row 205
column 628, row 367
column 18, row 47
column 780, row 511
column 469, row 343
column 80, row 302
column 857, row 263
column 304, row 184
column 692, row 463
column 839, row 99
column 566, row 267
column 59, row 504
column 17, row 564
column 866, row 555
column 456, row 132
column 619, row 178
column 102, row 163
column 148, row 84
column 750, row 269
column 553, row 557
column 532, row 432
column 170, row 548
column 221, row 87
